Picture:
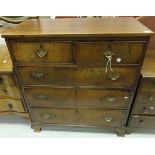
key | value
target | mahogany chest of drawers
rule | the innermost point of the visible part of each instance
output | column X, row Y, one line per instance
column 143, row 113
column 78, row 72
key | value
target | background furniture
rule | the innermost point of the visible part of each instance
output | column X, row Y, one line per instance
column 10, row 97
column 143, row 114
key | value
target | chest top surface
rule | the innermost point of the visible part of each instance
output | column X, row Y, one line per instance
column 148, row 69
column 78, row 27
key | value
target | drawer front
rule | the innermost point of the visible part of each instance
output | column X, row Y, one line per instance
column 122, row 52
column 7, row 91
column 145, row 109
column 115, row 118
column 11, row 105
column 42, row 52
column 76, row 97
column 148, row 84
column 142, row 121
column 121, row 77
column 7, row 80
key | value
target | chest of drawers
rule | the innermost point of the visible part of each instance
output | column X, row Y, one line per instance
column 10, row 97
column 78, row 72
column 143, row 113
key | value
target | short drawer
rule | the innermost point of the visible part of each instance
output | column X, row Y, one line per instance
column 7, row 91
column 7, row 80
column 82, row 117
column 121, row 77
column 138, row 121
column 42, row 52
column 11, row 105
column 123, row 52
column 144, row 109
column 77, row 97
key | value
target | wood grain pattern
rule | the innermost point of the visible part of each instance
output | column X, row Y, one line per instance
column 77, row 97
column 93, row 52
column 77, row 76
column 5, row 60
column 79, row 117
column 138, row 121
column 78, row 27
column 11, row 105
column 149, row 64
column 56, row 52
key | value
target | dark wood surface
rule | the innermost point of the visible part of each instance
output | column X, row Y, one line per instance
column 68, row 69
column 77, row 97
column 83, row 117
column 73, row 76
column 79, row 27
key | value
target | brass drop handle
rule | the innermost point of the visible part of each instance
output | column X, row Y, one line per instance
column 108, row 54
column 108, row 119
column 47, row 116
column 42, row 97
column 111, row 99
column 114, row 77
column 41, row 53
column 37, row 75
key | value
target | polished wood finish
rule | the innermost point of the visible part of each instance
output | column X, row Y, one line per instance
column 79, row 27
column 143, row 113
column 93, row 52
column 78, row 77
column 5, row 60
column 149, row 64
column 11, row 105
column 79, row 117
column 55, row 52
column 142, row 121
column 74, row 76
column 77, row 97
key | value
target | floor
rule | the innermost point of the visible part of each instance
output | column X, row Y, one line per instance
column 15, row 127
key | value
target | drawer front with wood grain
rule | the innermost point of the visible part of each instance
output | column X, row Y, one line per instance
column 144, row 109
column 11, row 105
column 7, row 91
column 121, row 77
column 138, row 121
column 42, row 52
column 77, row 97
column 83, row 117
column 123, row 52
column 7, row 80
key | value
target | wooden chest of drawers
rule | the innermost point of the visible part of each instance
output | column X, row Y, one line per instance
column 143, row 114
column 78, row 72
column 10, row 98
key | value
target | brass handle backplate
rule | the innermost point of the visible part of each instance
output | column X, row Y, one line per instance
column 42, row 97
column 111, row 99
column 37, row 75
column 41, row 53
column 108, row 119
column 114, row 77
column 47, row 116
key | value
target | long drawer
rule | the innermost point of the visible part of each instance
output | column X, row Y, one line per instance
column 82, row 117
column 73, row 76
column 77, row 97
column 11, row 105
column 142, row 121
column 123, row 52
